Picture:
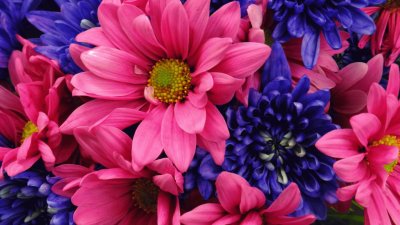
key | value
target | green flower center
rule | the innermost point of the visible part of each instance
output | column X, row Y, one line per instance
column 145, row 194
column 170, row 79
column 28, row 130
column 389, row 140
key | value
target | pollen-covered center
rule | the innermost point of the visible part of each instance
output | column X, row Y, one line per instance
column 389, row 140
column 170, row 79
column 28, row 130
column 145, row 194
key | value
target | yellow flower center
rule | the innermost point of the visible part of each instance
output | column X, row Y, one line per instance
column 389, row 140
column 170, row 79
column 145, row 194
column 28, row 130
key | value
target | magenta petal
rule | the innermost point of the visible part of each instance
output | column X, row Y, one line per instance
column 394, row 80
column 215, row 128
column 10, row 101
column 351, row 169
column 286, row 203
column 203, row 215
column 224, row 88
column 252, row 218
column 365, row 126
column 166, row 183
column 198, row 13
column 96, row 37
column 243, row 59
column 32, row 98
column 211, row 53
column 190, row 118
column 225, row 22
column 229, row 191
column 175, row 35
column 178, row 145
column 340, row 143
column 146, row 144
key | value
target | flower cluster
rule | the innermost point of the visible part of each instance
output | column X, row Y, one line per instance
column 199, row 112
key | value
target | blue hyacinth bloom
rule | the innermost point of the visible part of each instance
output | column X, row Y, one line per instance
column 272, row 140
column 216, row 4
column 61, row 28
column 12, row 14
column 27, row 199
column 202, row 174
column 308, row 18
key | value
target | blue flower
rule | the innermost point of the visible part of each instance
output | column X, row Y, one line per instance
column 202, row 174
column 272, row 140
column 308, row 18
column 216, row 4
column 27, row 199
column 12, row 14
column 61, row 28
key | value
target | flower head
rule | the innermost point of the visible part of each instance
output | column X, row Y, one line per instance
column 30, row 117
column 368, row 154
column 272, row 140
column 61, row 28
column 117, row 193
column 239, row 203
column 308, row 19
column 170, row 75
column 386, row 39
column 27, row 198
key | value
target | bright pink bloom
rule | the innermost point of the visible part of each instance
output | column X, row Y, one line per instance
column 177, row 72
column 386, row 39
column 239, row 203
column 118, row 194
column 369, row 154
column 30, row 119
column 349, row 96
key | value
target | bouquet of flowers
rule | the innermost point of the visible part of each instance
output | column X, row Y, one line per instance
column 199, row 112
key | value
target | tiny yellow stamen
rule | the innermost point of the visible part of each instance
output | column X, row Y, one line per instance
column 389, row 140
column 145, row 194
column 171, row 80
column 29, row 129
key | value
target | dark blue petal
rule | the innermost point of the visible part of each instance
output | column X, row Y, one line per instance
column 310, row 48
column 362, row 23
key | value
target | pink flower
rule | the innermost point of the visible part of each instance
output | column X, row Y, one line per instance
column 369, row 154
column 349, row 96
column 386, row 39
column 175, row 72
column 30, row 119
column 239, row 203
column 118, row 194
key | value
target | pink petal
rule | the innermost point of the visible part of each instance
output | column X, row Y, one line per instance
column 243, row 59
column 113, row 64
column 178, row 145
column 215, row 148
column 16, row 67
column 374, row 74
column 211, row 53
column 108, row 17
column 394, row 80
column 252, row 198
column 228, row 219
column 10, row 101
column 351, row 74
column 252, row 218
column 76, row 51
column 32, row 97
column 199, row 100
column 347, row 193
column 365, row 126
column 95, row 110
column 121, row 118
column 166, row 183
column 97, row 87
column 203, row 215
column 340, row 143
column 175, row 35
column 350, row 102
column 156, row 9
column 198, row 12
column 47, row 155
column 225, row 22
column 215, row 128
column 96, row 37
column 229, row 191
column 289, row 220
column 376, row 101
column 189, row 118
column 165, row 209
column 146, row 144
column 286, row 203
column 224, row 88
column 351, row 169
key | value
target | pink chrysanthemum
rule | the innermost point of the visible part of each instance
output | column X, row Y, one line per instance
column 369, row 154
column 29, row 118
column 118, row 194
column 177, row 72
column 386, row 39
column 239, row 203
